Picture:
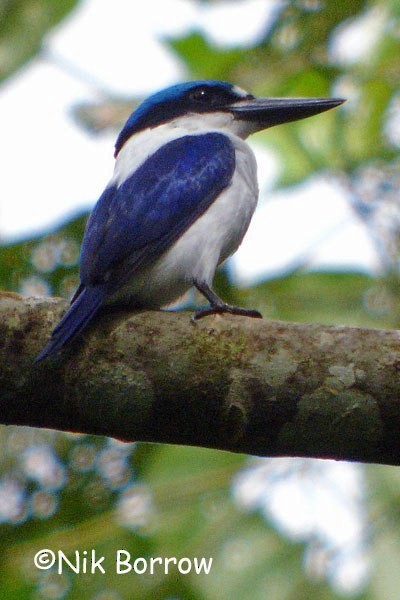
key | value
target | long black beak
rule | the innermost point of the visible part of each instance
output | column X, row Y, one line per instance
column 267, row 112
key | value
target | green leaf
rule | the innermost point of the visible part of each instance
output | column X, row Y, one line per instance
column 203, row 59
column 24, row 24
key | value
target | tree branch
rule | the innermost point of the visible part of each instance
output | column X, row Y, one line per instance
column 266, row 388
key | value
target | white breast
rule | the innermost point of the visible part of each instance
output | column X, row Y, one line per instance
column 143, row 144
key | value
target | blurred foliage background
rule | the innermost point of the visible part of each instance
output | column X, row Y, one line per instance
column 276, row 529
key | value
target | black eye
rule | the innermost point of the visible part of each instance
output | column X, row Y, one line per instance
column 201, row 95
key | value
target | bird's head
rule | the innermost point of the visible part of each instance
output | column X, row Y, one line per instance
column 221, row 101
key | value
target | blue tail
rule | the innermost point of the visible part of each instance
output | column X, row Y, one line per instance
column 74, row 321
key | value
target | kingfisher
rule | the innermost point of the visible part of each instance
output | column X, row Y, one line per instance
column 179, row 202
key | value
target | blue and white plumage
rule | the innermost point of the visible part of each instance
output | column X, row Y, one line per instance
column 181, row 198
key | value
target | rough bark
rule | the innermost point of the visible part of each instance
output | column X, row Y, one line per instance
column 260, row 387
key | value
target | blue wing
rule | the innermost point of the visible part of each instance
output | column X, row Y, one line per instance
column 133, row 224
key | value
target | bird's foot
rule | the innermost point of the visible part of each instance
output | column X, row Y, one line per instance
column 215, row 309
column 218, row 306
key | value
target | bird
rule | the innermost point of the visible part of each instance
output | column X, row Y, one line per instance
column 179, row 202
